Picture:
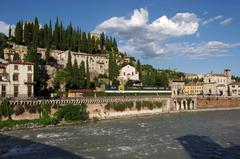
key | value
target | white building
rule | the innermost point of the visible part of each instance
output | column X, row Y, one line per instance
column 128, row 72
column 234, row 89
column 217, row 84
column 16, row 79
column 177, row 87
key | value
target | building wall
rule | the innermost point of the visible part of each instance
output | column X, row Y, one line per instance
column 209, row 88
column 234, row 90
column 22, row 82
column 128, row 72
column 193, row 89
column 177, row 87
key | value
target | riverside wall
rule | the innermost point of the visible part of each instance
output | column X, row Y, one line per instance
column 217, row 102
column 95, row 106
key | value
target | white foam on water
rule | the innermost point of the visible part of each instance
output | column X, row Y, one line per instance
column 48, row 135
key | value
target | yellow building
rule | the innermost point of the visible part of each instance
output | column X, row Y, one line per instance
column 193, row 89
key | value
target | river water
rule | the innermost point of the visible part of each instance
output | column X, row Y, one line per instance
column 200, row 135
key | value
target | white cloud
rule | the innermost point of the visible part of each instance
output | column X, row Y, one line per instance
column 226, row 21
column 203, row 49
column 212, row 19
column 4, row 27
column 151, row 39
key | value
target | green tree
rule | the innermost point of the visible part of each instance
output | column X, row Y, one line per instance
column 16, row 56
column 75, row 74
column 3, row 44
column 82, row 75
column 36, row 32
column 62, row 77
column 69, row 62
column 47, row 52
column 19, row 32
column 139, row 69
column 88, row 76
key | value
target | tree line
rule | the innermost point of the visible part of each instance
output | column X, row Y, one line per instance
column 60, row 37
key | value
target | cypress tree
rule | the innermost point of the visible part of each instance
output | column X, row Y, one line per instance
column 88, row 76
column 47, row 52
column 102, row 40
column 69, row 62
column 82, row 75
column 75, row 72
column 19, row 33
column 36, row 32
column 139, row 69
column 9, row 32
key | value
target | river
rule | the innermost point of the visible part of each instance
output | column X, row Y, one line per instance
column 200, row 135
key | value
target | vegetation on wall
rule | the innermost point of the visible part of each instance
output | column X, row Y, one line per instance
column 122, row 106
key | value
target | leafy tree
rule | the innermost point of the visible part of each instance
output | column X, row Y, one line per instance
column 62, row 77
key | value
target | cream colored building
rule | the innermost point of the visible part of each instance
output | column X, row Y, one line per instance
column 234, row 89
column 177, row 87
column 128, row 72
column 217, row 84
column 98, row 64
column 16, row 79
column 193, row 89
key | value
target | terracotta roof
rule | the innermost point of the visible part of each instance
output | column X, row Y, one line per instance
column 2, row 65
column 235, row 83
column 21, row 62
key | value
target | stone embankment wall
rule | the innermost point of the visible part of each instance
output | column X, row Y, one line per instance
column 95, row 106
column 217, row 102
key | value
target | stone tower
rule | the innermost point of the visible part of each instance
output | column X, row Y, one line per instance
column 227, row 73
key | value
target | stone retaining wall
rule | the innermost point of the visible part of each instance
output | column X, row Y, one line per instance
column 217, row 102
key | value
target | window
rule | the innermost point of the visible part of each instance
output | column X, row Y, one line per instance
column 124, row 73
column 29, row 87
column 3, row 91
column 29, row 68
column 15, row 67
column 29, row 77
column 15, row 77
column 15, row 91
column 132, row 73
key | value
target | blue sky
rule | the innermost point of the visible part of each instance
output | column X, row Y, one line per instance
column 189, row 35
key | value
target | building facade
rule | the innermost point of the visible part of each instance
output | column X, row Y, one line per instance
column 193, row 89
column 128, row 72
column 16, row 79
column 177, row 87
column 234, row 89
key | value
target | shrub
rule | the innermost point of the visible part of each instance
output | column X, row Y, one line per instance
column 138, row 105
column 18, row 110
column 6, row 109
column 72, row 112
